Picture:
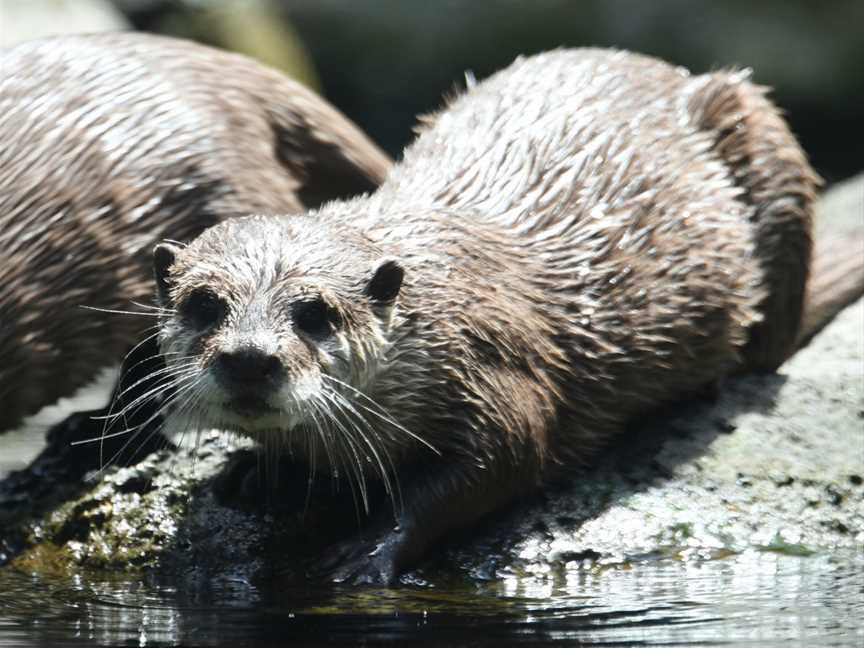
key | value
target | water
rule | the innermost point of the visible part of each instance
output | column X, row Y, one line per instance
column 746, row 599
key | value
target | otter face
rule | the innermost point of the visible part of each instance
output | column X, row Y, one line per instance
column 273, row 326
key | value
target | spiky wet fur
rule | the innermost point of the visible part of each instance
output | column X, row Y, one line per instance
column 585, row 236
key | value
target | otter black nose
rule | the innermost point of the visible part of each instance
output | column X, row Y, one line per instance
column 248, row 369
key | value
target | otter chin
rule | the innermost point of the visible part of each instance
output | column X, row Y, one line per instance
column 581, row 238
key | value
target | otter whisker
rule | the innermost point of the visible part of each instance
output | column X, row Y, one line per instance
column 189, row 391
column 341, row 419
column 136, row 430
column 350, row 460
column 167, row 380
column 117, row 395
column 357, row 465
column 150, row 357
column 102, row 437
column 174, row 369
column 324, row 427
column 159, row 309
column 327, row 434
column 193, row 407
column 185, row 409
column 349, row 408
column 311, row 443
column 380, row 412
column 125, row 414
column 165, row 383
column 156, row 430
column 127, row 370
column 193, row 393
column 114, row 311
column 150, row 395
column 109, row 435
column 389, row 479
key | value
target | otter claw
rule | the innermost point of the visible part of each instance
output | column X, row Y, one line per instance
column 357, row 562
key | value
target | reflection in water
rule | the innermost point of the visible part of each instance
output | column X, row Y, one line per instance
column 738, row 600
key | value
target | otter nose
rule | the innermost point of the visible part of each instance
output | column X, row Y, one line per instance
column 248, row 369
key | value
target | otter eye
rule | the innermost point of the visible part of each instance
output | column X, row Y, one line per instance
column 203, row 309
column 314, row 317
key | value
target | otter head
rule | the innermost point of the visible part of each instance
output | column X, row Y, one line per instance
column 273, row 326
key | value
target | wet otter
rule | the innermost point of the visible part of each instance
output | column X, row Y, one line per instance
column 110, row 143
column 580, row 238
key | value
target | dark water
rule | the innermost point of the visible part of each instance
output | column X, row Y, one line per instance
column 748, row 599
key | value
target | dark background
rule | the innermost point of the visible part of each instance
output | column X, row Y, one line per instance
column 386, row 61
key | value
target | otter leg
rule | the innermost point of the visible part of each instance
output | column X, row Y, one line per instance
column 765, row 160
column 443, row 499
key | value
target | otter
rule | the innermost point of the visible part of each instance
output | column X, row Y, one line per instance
column 583, row 237
column 110, row 143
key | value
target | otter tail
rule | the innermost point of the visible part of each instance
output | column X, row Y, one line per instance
column 767, row 163
column 837, row 270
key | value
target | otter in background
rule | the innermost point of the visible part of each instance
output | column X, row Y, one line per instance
column 581, row 238
column 112, row 142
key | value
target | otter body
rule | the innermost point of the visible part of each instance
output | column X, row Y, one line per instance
column 575, row 241
column 110, row 143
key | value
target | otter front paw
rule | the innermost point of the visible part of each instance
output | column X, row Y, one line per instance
column 360, row 561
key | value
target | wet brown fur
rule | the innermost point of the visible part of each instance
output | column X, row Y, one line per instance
column 110, row 143
column 585, row 236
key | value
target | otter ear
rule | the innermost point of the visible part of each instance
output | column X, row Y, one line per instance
column 386, row 281
column 164, row 256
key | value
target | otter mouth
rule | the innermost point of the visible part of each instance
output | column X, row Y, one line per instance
column 249, row 406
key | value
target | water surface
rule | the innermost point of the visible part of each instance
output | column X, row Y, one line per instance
column 747, row 599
